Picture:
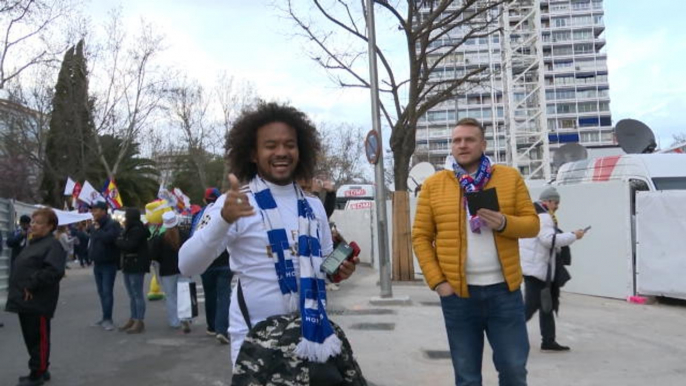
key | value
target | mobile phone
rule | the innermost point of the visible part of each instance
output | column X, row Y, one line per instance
column 587, row 228
column 332, row 262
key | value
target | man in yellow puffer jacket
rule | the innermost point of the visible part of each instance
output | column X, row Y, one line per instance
column 472, row 259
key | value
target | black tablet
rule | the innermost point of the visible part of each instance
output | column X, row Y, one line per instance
column 487, row 199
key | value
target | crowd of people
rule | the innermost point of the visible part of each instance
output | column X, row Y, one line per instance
column 272, row 232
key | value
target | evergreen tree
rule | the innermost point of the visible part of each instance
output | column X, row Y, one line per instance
column 69, row 146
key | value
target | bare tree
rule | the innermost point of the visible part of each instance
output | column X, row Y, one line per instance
column 431, row 31
column 188, row 108
column 233, row 96
column 128, row 84
column 25, row 117
column 342, row 159
column 34, row 32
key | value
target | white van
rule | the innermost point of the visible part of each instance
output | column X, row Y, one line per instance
column 649, row 171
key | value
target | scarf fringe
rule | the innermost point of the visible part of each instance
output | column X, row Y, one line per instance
column 319, row 352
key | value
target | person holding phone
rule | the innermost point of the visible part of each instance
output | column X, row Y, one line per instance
column 538, row 257
column 471, row 259
column 277, row 236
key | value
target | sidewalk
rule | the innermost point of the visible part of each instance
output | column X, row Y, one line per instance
column 87, row 356
column 613, row 342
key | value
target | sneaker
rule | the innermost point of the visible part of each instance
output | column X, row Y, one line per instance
column 186, row 327
column 554, row 347
column 98, row 323
column 107, row 325
column 210, row 332
column 223, row 339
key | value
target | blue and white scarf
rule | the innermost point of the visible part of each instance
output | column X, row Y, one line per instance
column 473, row 184
column 319, row 342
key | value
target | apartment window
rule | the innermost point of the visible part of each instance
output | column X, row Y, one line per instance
column 588, row 107
column 588, row 122
column 563, row 65
column 474, row 100
column 583, row 35
column 598, row 19
column 605, row 121
column 565, row 94
column 586, row 93
column 559, row 51
column 550, row 109
column 550, row 95
column 567, row 123
column 437, row 116
column 604, row 106
column 602, row 78
column 552, row 124
column 581, row 5
column 562, row 36
column 582, row 20
column 583, row 48
column 495, row 39
column 561, row 21
column 564, row 80
column 607, row 136
column 566, row 108
column 597, row 4
column 559, row 7
column 603, row 92
column 590, row 137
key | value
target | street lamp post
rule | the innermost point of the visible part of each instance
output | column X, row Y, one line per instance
column 380, row 196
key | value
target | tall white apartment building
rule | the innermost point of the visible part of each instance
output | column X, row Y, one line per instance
column 575, row 78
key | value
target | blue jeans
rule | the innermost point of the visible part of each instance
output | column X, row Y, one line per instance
column 105, row 274
column 169, row 284
column 134, row 287
column 499, row 313
column 216, row 283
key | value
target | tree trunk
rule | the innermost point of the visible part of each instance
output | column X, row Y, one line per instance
column 403, row 259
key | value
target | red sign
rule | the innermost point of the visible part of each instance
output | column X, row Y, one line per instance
column 355, row 193
column 359, row 205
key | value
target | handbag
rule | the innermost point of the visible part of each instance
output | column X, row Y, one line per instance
column 186, row 300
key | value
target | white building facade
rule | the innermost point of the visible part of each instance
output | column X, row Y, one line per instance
column 575, row 80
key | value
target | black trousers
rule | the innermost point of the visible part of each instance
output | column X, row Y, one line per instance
column 36, row 331
column 532, row 303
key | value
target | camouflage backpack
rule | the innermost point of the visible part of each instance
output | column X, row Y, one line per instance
column 266, row 358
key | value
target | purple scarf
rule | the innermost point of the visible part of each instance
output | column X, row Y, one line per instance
column 473, row 184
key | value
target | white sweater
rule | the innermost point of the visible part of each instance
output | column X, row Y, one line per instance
column 246, row 241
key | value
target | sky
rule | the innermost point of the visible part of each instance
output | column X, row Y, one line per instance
column 252, row 40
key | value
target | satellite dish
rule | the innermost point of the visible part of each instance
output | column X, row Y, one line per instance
column 635, row 137
column 569, row 153
column 418, row 174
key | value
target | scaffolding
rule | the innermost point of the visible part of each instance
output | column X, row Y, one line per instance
column 524, row 90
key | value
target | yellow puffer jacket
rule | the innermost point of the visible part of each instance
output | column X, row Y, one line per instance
column 440, row 226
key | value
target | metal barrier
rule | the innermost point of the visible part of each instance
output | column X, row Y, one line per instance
column 10, row 211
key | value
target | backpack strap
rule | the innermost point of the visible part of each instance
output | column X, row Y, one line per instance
column 243, row 306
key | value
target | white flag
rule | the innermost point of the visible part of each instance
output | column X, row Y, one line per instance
column 69, row 188
column 89, row 195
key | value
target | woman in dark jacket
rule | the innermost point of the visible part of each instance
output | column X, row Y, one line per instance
column 133, row 244
column 165, row 250
column 34, row 288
